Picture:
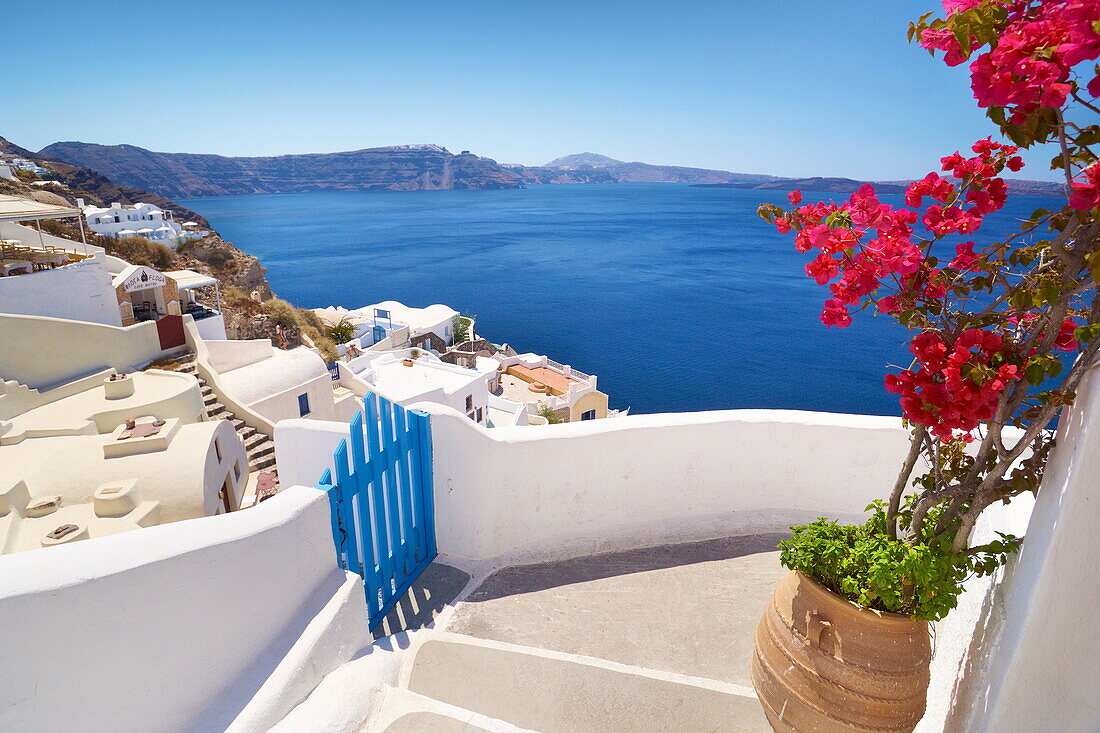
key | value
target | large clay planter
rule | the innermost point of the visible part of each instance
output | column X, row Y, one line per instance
column 824, row 664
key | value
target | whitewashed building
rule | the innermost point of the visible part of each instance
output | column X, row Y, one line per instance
column 140, row 220
column 22, row 164
column 430, row 328
column 409, row 376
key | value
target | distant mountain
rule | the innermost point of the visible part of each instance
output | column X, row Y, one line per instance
column 580, row 166
column 409, row 168
column 397, row 168
column 100, row 189
column 576, row 160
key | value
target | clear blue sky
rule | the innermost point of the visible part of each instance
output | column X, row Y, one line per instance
column 787, row 88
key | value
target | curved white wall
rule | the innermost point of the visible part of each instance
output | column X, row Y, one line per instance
column 1038, row 655
column 176, row 627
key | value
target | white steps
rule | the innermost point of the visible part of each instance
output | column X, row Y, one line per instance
column 259, row 448
column 403, row 711
column 553, row 692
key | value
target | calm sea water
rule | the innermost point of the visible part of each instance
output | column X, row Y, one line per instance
column 679, row 298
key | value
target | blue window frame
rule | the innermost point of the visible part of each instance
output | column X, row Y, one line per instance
column 303, row 404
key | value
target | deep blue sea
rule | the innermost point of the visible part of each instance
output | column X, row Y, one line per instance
column 679, row 298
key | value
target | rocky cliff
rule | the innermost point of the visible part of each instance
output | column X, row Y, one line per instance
column 399, row 168
column 96, row 189
column 412, row 168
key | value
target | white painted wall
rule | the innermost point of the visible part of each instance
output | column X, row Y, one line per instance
column 81, row 292
column 211, row 327
column 226, row 356
column 541, row 492
column 178, row 627
column 303, row 449
column 284, row 405
column 1036, row 659
column 43, row 352
column 549, row 491
column 960, row 649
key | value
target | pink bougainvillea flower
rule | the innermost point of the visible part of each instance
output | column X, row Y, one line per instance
column 958, row 6
column 795, row 197
column 1086, row 192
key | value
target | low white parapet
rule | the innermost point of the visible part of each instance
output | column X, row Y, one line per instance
column 527, row 494
column 179, row 626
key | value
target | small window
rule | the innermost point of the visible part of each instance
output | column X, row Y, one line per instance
column 480, row 417
column 588, row 415
column 469, row 402
column 303, row 405
column 218, row 450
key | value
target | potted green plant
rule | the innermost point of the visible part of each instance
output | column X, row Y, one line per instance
column 1002, row 335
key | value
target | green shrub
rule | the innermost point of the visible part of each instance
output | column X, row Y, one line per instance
column 548, row 412
column 862, row 563
column 217, row 259
column 281, row 313
column 306, row 317
column 460, row 327
column 235, row 296
column 342, row 332
column 328, row 349
column 140, row 251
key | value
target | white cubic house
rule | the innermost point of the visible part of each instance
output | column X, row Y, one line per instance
column 139, row 220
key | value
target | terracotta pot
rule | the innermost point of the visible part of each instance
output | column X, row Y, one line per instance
column 824, row 664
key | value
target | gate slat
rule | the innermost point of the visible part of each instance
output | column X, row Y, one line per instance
column 385, row 407
column 429, row 484
column 377, row 500
column 404, row 489
column 417, row 482
column 362, row 471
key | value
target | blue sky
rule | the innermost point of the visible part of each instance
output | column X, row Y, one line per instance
column 792, row 88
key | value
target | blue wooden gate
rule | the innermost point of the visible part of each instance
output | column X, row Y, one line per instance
column 383, row 519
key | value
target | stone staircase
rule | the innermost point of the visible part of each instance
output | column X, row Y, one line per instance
column 649, row 640
column 259, row 448
column 462, row 683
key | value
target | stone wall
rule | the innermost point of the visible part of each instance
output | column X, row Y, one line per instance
column 429, row 342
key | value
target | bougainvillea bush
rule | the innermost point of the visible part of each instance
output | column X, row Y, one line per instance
column 1001, row 334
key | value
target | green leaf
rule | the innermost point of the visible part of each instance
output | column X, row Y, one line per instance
column 1086, row 334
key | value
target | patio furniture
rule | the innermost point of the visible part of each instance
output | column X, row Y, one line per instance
column 15, row 267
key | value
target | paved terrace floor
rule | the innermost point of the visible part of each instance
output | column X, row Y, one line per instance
column 690, row 608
